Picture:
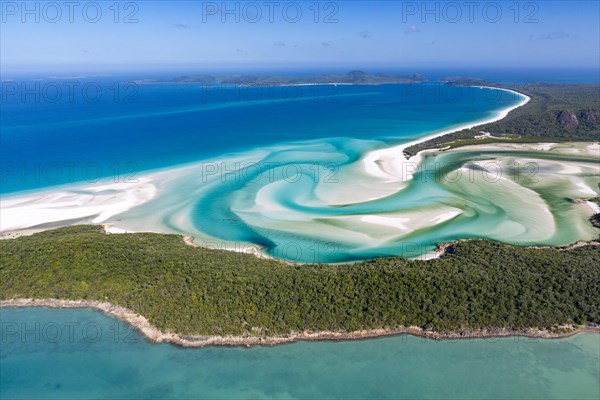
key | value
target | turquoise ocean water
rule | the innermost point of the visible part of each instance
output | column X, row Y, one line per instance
column 64, row 354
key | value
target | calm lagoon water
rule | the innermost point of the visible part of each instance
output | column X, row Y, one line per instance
column 64, row 354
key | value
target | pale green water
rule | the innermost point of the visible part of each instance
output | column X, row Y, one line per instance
column 103, row 358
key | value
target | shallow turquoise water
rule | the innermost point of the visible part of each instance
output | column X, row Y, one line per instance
column 101, row 357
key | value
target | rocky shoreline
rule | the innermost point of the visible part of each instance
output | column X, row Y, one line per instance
column 153, row 334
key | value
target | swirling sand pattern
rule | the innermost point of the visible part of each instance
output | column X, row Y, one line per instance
column 332, row 202
column 518, row 194
column 341, row 199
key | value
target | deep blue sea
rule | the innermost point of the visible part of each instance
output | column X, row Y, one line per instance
column 70, row 127
column 57, row 131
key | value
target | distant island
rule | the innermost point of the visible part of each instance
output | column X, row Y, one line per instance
column 355, row 77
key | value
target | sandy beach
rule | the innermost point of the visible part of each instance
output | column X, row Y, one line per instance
column 89, row 203
column 391, row 164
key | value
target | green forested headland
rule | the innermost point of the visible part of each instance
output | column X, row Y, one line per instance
column 191, row 290
column 555, row 113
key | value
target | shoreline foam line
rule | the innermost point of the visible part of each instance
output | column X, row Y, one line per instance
column 155, row 335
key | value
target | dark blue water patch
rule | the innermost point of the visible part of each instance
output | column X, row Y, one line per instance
column 125, row 131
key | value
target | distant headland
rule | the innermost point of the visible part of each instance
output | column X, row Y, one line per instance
column 356, row 77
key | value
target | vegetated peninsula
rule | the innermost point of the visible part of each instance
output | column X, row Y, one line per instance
column 556, row 113
column 355, row 77
column 195, row 296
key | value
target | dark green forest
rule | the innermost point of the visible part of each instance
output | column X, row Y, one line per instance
column 191, row 290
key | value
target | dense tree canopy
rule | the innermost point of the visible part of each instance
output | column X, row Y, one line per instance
column 190, row 290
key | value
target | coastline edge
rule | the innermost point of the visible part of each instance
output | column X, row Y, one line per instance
column 154, row 335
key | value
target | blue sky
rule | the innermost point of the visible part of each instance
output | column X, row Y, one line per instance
column 179, row 34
